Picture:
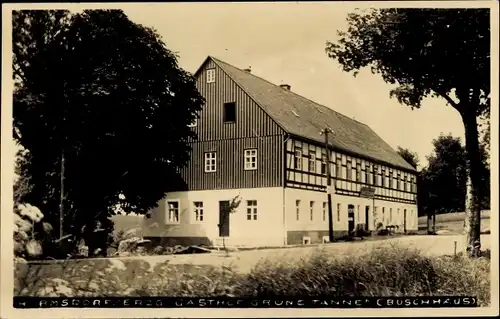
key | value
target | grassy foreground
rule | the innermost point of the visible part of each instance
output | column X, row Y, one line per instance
column 383, row 271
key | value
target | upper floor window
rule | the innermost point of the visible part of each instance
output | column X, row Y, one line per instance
column 312, row 162
column 210, row 75
column 198, row 211
column 349, row 171
column 210, row 162
column 173, row 212
column 229, row 112
column 297, row 160
column 251, row 159
column 323, row 164
column 251, row 210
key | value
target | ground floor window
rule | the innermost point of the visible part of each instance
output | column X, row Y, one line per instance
column 173, row 212
column 198, row 211
column 251, row 210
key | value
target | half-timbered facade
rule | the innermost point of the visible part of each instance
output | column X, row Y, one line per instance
column 262, row 142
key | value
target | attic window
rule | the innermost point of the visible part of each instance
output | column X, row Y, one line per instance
column 229, row 112
column 210, row 75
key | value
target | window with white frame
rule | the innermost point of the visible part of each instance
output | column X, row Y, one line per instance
column 251, row 159
column 298, row 158
column 210, row 162
column 172, row 212
column 198, row 211
column 311, row 210
column 251, row 210
column 297, row 209
column 323, row 164
column 210, row 75
column 324, row 210
column 312, row 162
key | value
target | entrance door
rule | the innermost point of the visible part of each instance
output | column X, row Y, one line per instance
column 350, row 219
column 367, row 217
column 224, row 218
column 404, row 220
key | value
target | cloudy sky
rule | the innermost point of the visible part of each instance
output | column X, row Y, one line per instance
column 285, row 42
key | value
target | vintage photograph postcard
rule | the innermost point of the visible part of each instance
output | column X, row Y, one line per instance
column 249, row 159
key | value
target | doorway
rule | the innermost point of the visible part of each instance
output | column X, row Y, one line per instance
column 224, row 218
column 350, row 219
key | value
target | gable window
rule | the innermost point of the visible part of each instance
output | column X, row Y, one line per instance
column 297, row 209
column 251, row 210
column 210, row 75
column 251, row 159
column 198, row 211
column 172, row 212
column 298, row 158
column 311, row 210
column 312, row 162
column 210, row 162
column 229, row 112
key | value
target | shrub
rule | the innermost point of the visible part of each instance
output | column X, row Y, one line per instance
column 383, row 271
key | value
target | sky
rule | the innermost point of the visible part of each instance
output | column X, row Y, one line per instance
column 285, row 43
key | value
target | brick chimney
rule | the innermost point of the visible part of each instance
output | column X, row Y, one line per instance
column 285, row 86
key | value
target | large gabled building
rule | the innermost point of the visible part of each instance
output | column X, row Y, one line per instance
column 262, row 142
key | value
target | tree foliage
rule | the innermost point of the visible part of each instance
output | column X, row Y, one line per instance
column 442, row 182
column 428, row 53
column 108, row 96
column 409, row 156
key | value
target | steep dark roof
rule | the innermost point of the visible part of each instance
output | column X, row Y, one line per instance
column 302, row 117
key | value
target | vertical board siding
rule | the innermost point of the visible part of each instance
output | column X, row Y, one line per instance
column 253, row 129
column 251, row 120
column 231, row 172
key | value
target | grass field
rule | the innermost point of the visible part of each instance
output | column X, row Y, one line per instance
column 453, row 223
column 382, row 271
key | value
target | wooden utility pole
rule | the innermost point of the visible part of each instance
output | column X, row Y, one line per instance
column 328, row 183
column 61, row 203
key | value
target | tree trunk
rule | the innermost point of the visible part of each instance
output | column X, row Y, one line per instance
column 473, row 196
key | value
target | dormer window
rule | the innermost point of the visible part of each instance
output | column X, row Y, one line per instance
column 210, row 75
column 229, row 112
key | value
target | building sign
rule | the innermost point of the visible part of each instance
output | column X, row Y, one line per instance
column 330, row 189
column 368, row 192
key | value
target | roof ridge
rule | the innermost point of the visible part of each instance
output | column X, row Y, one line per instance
column 292, row 92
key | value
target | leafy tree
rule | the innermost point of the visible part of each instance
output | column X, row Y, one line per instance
column 444, row 178
column 408, row 156
column 102, row 105
column 428, row 53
